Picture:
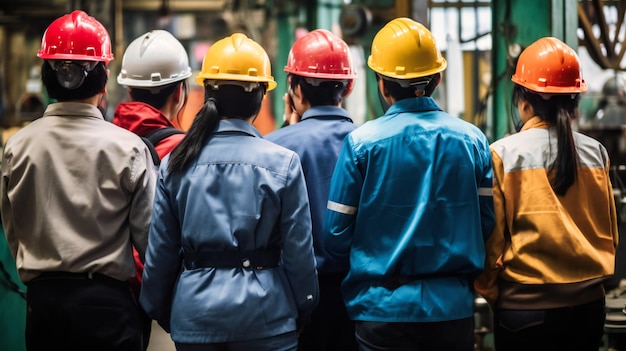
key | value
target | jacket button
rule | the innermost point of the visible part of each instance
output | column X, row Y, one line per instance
column 245, row 263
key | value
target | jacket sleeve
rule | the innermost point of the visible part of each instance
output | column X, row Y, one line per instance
column 298, row 259
column 5, row 204
column 343, row 202
column 486, row 283
column 163, row 258
column 140, row 212
column 485, row 192
column 613, row 210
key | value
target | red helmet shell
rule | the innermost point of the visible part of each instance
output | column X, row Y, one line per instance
column 76, row 37
column 321, row 54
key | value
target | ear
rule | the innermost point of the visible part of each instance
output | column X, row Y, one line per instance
column 348, row 89
column 297, row 94
column 524, row 106
column 382, row 88
column 104, row 90
column 178, row 93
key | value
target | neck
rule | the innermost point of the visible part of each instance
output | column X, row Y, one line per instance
column 93, row 100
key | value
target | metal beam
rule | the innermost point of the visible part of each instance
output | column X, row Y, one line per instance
column 175, row 6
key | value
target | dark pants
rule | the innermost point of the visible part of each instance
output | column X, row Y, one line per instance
column 330, row 329
column 283, row 342
column 73, row 313
column 455, row 335
column 146, row 326
column 577, row 328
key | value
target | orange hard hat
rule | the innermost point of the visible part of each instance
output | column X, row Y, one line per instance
column 549, row 66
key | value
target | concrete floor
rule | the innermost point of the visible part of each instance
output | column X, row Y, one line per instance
column 160, row 340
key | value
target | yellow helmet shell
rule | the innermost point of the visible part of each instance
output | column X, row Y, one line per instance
column 237, row 58
column 405, row 49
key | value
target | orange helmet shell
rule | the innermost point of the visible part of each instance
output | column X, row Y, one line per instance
column 549, row 66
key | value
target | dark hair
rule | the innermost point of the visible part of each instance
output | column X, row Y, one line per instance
column 559, row 110
column 326, row 93
column 95, row 81
column 155, row 99
column 399, row 92
column 229, row 101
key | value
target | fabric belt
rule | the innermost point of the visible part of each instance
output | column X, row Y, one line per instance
column 395, row 282
column 58, row 275
column 255, row 259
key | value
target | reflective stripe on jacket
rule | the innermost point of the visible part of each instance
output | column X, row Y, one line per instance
column 411, row 196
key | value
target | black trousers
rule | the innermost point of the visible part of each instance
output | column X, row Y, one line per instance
column 282, row 342
column 454, row 335
column 71, row 312
column 330, row 329
column 577, row 328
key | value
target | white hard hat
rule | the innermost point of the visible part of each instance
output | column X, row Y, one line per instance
column 154, row 59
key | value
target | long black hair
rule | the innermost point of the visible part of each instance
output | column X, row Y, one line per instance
column 228, row 101
column 559, row 110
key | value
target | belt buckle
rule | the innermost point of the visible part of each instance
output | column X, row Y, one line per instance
column 245, row 263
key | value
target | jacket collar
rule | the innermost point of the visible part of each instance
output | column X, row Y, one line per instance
column 237, row 125
column 535, row 122
column 417, row 104
column 326, row 111
column 73, row 109
column 139, row 117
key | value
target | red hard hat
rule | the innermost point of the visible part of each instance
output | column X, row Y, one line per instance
column 321, row 54
column 76, row 37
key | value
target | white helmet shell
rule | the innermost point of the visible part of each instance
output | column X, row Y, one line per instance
column 154, row 59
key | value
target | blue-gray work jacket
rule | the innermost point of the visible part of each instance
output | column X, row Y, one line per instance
column 241, row 193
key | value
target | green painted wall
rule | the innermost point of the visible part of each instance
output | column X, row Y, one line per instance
column 12, row 304
column 521, row 22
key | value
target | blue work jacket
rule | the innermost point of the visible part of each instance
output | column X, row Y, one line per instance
column 411, row 197
column 317, row 139
column 241, row 193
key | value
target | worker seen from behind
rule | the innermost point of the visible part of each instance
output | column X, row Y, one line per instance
column 230, row 261
column 410, row 203
column 556, row 231
column 320, row 75
column 77, row 194
column 155, row 68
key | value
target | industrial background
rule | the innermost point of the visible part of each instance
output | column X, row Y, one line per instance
column 481, row 40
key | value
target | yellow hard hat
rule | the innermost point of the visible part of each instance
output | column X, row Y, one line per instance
column 237, row 58
column 405, row 49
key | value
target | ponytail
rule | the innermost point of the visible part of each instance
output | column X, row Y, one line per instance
column 229, row 101
column 565, row 166
column 203, row 126
column 559, row 110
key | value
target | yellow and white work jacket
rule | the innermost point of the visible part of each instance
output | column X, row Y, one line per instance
column 546, row 250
